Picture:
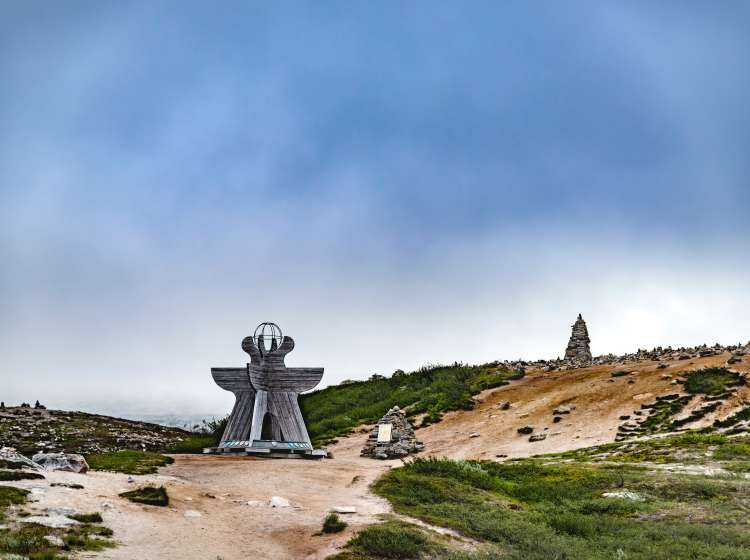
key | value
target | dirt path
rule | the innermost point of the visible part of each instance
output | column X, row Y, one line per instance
column 231, row 495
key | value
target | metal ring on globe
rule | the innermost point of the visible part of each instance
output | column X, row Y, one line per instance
column 272, row 336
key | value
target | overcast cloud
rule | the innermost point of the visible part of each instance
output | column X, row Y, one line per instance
column 393, row 183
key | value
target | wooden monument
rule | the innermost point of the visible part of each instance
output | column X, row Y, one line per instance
column 266, row 419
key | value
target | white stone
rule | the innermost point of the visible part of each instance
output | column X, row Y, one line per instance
column 625, row 495
column 278, row 501
column 344, row 509
column 193, row 513
column 53, row 521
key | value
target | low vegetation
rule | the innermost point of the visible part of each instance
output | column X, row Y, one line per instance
column 149, row 495
column 711, row 381
column 392, row 539
column 36, row 542
column 665, row 414
column 433, row 390
column 87, row 517
column 128, row 461
column 11, row 496
column 743, row 414
column 537, row 510
column 694, row 447
column 333, row 524
column 11, row 475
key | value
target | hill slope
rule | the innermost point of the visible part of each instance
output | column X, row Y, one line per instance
column 30, row 430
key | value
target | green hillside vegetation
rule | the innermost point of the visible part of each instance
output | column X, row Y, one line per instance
column 433, row 390
column 536, row 510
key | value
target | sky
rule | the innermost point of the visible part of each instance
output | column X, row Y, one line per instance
column 393, row 183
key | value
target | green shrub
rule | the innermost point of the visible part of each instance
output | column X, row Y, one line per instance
column 732, row 451
column 333, row 524
column 194, row 443
column 149, row 495
column 87, row 517
column 710, row 381
column 128, row 461
column 391, row 540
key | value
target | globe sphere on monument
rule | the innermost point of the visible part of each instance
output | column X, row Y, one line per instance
column 271, row 334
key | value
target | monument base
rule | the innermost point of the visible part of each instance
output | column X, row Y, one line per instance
column 268, row 449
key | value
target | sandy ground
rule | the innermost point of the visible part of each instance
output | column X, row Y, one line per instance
column 230, row 495
column 600, row 399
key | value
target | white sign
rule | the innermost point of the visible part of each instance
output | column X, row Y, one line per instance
column 384, row 433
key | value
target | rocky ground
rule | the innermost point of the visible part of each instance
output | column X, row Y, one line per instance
column 31, row 430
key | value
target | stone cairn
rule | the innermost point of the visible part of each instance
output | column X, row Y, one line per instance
column 579, row 349
column 402, row 441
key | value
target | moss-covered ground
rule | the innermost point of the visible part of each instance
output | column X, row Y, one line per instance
column 128, row 461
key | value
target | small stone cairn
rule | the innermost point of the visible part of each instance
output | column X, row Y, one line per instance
column 579, row 349
column 402, row 442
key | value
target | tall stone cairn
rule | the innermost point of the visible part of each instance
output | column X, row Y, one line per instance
column 579, row 349
column 403, row 441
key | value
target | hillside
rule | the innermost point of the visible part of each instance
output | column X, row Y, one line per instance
column 638, row 453
column 33, row 429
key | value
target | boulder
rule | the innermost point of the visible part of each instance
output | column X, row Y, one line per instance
column 538, row 437
column 12, row 458
column 69, row 462
column 525, row 430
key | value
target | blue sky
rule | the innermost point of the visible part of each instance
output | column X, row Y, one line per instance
column 394, row 183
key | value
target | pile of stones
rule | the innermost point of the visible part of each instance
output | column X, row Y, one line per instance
column 738, row 353
column 579, row 349
column 403, row 440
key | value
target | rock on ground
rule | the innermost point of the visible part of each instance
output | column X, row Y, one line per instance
column 70, row 462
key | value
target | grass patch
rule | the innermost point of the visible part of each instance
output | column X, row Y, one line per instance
column 534, row 510
column 743, row 414
column 128, row 461
column 12, row 496
column 6, row 476
column 149, row 495
column 390, row 540
column 336, row 410
column 711, row 381
column 87, row 517
column 195, row 443
column 333, row 524
column 732, row 451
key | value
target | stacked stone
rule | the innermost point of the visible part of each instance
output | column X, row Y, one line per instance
column 403, row 440
column 579, row 348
